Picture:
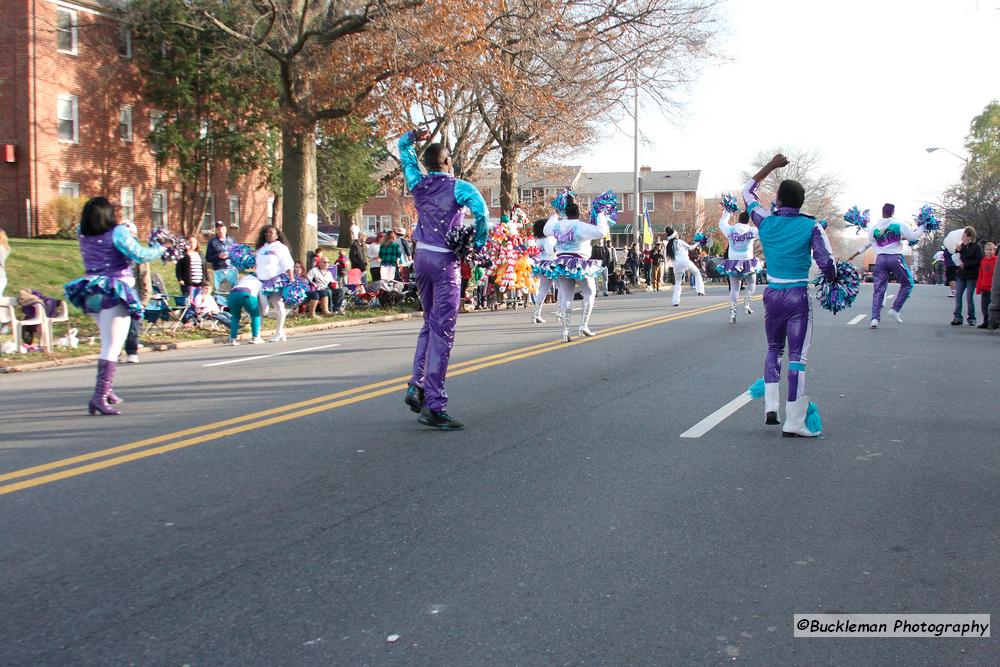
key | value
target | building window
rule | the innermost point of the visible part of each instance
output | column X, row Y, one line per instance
column 234, row 211
column 385, row 223
column 550, row 193
column 648, row 202
column 125, row 123
column 382, row 194
column 128, row 204
column 525, row 196
column 208, row 216
column 678, row 201
column 68, row 114
column 370, row 222
column 124, row 42
column 621, row 203
column 67, row 189
column 270, row 210
column 494, row 197
column 160, row 208
column 629, row 202
column 66, row 33
column 155, row 120
column 404, row 222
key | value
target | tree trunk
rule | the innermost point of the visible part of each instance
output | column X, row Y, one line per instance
column 298, row 190
column 509, row 154
column 347, row 218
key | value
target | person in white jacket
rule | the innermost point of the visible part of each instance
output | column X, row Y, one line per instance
column 572, row 267
column 888, row 237
column 547, row 252
column 676, row 252
column 740, row 263
column 274, row 270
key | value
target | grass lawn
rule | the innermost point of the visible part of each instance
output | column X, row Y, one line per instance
column 46, row 265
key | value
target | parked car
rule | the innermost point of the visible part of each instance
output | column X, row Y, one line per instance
column 328, row 240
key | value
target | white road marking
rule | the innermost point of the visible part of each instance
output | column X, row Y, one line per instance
column 717, row 417
column 265, row 356
column 858, row 319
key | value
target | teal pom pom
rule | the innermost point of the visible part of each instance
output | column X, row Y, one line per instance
column 756, row 390
column 813, row 421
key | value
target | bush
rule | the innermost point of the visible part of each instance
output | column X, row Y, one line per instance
column 63, row 213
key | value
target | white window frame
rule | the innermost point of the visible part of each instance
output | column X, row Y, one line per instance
column 161, row 211
column 234, row 211
column 270, row 210
column 74, row 117
column 384, row 222
column 494, row 197
column 621, row 204
column 648, row 202
column 208, row 217
column 529, row 199
column 69, row 189
column 370, row 222
column 155, row 118
column 127, row 202
column 125, row 42
column 383, row 193
column 629, row 201
column 73, row 31
column 404, row 221
column 125, row 120
column 550, row 193
column 678, row 202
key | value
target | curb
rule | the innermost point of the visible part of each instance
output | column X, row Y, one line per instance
column 205, row 342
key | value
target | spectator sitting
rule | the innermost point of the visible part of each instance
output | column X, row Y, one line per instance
column 317, row 255
column 326, row 291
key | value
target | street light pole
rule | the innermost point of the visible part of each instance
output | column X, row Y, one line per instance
column 635, row 166
column 939, row 148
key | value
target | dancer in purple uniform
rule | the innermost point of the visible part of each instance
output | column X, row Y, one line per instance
column 439, row 199
column 790, row 241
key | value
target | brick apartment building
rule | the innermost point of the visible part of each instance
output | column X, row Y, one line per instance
column 671, row 196
column 72, row 122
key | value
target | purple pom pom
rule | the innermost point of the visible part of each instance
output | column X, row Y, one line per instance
column 928, row 219
column 730, row 203
column 559, row 203
column 605, row 203
column 294, row 293
column 243, row 257
column 857, row 218
column 178, row 248
column 840, row 294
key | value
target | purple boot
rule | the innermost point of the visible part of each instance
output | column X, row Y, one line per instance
column 99, row 401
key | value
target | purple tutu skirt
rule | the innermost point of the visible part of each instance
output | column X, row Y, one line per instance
column 274, row 284
column 740, row 267
column 568, row 266
column 92, row 294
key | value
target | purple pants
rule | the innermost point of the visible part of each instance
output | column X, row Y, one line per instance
column 439, row 283
column 787, row 316
column 884, row 265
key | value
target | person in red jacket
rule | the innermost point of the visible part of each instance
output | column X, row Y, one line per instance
column 984, row 284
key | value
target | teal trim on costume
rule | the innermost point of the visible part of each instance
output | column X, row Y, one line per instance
column 907, row 269
column 787, row 243
column 814, row 422
column 129, row 246
column 756, row 390
column 801, row 283
column 468, row 195
column 796, row 366
column 408, row 159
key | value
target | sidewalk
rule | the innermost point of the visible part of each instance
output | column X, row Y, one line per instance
column 7, row 367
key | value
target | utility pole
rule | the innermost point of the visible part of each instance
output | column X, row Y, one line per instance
column 635, row 166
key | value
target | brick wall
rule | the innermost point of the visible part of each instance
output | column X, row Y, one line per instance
column 100, row 161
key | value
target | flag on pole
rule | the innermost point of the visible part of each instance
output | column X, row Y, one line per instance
column 647, row 228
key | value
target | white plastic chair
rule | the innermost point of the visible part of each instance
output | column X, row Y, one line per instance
column 8, row 313
column 62, row 315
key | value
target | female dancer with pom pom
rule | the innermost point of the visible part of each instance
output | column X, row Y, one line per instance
column 740, row 264
column 791, row 241
column 107, row 292
column 572, row 267
column 274, row 270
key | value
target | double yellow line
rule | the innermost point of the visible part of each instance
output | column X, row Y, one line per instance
column 161, row 444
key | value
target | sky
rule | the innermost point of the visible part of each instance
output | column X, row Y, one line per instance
column 872, row 84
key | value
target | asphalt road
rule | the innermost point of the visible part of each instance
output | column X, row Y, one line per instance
column 289, row 510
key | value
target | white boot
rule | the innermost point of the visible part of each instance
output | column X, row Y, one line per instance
column 585, row 320
column 536, row 315
column 746, row 304
column 732, row 313
column 564, row 318
column 795, row 419
column 895, row 313
column 771, row 403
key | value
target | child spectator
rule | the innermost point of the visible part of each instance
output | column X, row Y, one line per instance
column 984, row 284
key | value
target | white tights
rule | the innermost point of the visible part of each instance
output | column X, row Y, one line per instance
column 113, row 323
column 279, row 312
column 567, row 290
column 734, row 286
column 544, row 285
